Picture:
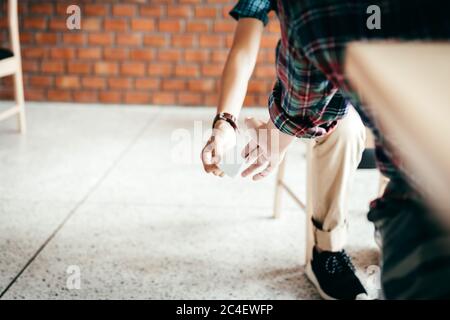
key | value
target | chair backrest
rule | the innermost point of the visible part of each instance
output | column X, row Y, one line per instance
column 13, row 21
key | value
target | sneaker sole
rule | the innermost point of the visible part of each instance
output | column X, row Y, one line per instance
column 312, row 277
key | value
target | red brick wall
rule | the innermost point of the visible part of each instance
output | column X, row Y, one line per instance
column 168, row 52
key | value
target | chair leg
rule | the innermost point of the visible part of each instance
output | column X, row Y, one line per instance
column 279, row 190
column 20, row 100
column 309, row 241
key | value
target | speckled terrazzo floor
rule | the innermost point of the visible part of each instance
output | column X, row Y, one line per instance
column 97, row 188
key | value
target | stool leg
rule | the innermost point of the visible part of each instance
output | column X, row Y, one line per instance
column 309, row 241
column 279, row 189
column 20, row 100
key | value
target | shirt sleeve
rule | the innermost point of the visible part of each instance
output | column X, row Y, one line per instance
column 258, row 9
column 311, row 122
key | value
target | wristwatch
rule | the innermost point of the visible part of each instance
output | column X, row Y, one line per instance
column 228, row 118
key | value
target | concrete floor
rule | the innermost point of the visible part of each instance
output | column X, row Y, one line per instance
column 97, row 189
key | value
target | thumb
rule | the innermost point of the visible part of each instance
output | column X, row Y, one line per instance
column 252, row 123
column 252, row 126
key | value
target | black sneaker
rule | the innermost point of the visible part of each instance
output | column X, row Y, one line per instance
column 334, row 276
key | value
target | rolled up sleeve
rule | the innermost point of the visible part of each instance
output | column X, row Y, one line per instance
column 258, row 9
column 310, row 122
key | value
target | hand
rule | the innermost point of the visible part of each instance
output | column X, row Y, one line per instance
column 222, row 139
column 266, row 149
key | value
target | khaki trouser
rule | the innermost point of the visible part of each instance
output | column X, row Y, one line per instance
column 334, row 161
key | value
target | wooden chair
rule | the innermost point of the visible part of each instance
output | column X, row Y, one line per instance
column 11, row 64
column 306, row 205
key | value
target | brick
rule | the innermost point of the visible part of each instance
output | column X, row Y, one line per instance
column 133, row 68
column 120, row 83
column 211, row 41
column 90, row 24
column 169, row 26
column 106, row 68
column 173, row 84
column 45, row 38
column 34, row 94
column 127, row 10
column 202, row 85
column 62, row 53
column 110, row 96
column 115, row 53
column 67, row 82
column 187, row 71
column 211, row 99
column 190, row 99
column 59, row 95
column 160, row 69
column 250, row 100
column 74, row 38
column 169, row 55
column 34, row 53
column 269, row 41
column 155, row 40
column 85, row 96
column 183, row 40
column 265, row 71
column 163, row 98
column 142, row 25
column 89, row 53
column 30, row 66
column 191, row 1
column 219, row 56
column 102, row 39
column 79, row 67
column 42, row 8
column 132, row 39
column 197, row 26
column 179, row 11
column 196, row 55
column 115, row 25
column 142, row 54
column 58, row 25
column 35, row 23
column 52, row 67
column 147, row 83
column 226, row 11
column 258, row 86
column 212, row 70
column 137, row 97
column 93, row 82
column 224, row 26
column 24, row 37
column 152, row 11
column 95, row 10
column 40, row 81
column 205, row 12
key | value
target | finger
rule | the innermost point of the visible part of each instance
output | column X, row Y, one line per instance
column 218, row 172
column 207, row 153
column 252, row 123
column 253, row 155
column 250, row 146
column 255, row 166
column 268, row 170
column 210, row 168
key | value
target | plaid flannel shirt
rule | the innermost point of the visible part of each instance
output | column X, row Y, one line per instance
column 303, row 102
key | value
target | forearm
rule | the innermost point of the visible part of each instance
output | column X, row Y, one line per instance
column 234, row 82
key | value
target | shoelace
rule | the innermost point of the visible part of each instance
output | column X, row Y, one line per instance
column 338, row 263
